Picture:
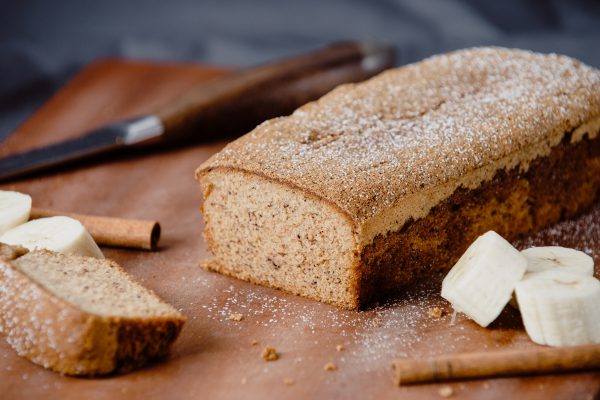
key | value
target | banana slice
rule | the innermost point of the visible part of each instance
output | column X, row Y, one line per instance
column 14, row 209
column 61, row 234
column 549, row 258
column 560, row 308
column 481, row 283
column 560, row 258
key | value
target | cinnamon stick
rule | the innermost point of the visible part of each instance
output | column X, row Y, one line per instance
column 493, row 364
column 109, row 231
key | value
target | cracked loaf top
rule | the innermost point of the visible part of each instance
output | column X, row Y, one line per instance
column 372, row 146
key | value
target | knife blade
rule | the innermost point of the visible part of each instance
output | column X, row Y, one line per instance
column 102, row 140
column 222, row 107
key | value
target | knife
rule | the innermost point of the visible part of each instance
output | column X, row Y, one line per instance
column 222, row 107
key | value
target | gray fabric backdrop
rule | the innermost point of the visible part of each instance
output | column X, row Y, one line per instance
column 44, row 42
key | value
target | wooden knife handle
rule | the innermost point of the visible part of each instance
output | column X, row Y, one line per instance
column 236, row 103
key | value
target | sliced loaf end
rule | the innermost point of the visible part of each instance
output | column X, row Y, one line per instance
column 276, row 235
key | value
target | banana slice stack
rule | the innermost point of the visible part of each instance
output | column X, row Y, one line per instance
column 554, row 289
column 60, row 234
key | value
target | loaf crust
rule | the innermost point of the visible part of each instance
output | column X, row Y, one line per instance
column 385, row 153
column 56, row 334
column 513, row 203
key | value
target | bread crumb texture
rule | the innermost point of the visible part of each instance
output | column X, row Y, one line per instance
column 289, row 381
column 267, row 234
column 269, row 354
column 435, row 312
column 236, row 317
column 97, row 286
column 330, row 367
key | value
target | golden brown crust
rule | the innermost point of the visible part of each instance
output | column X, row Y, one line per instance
column 141, row 341
column 514, row 204
column 365, row 147
column 57, row 335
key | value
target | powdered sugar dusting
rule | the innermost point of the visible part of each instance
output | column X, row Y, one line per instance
column 24, row 318
column 582, row 233
column 364, row 146
column 368, row 338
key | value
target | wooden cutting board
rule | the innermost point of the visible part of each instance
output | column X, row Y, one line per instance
column 214, row 356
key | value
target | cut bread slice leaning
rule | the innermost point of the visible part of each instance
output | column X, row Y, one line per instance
column 81, row 315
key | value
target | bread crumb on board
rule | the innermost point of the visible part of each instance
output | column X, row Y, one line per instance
column 339, row 347
column 289, row 381
column 376, row 323
column 446, row 391
column 269, row 354
column 329, row 367
column 435, row 312
column 254, row 342
column 236, row 317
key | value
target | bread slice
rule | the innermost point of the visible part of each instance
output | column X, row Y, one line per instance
column 81, row 315
column 379, row 183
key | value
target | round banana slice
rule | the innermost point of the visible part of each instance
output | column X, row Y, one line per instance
column 548, row 258
column 61, row 234
column 14, row 209
column 482, row 281
column 560, row 308
column 560, row 258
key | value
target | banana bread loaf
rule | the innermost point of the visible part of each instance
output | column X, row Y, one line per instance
column 378, row 183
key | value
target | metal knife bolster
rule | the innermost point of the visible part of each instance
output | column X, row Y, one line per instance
column 143, row 130
column 376, row 57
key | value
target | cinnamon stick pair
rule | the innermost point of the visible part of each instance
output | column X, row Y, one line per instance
column 494, row 364
column 109, row 231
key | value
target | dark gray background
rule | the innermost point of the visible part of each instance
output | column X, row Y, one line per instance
column 44, row 42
